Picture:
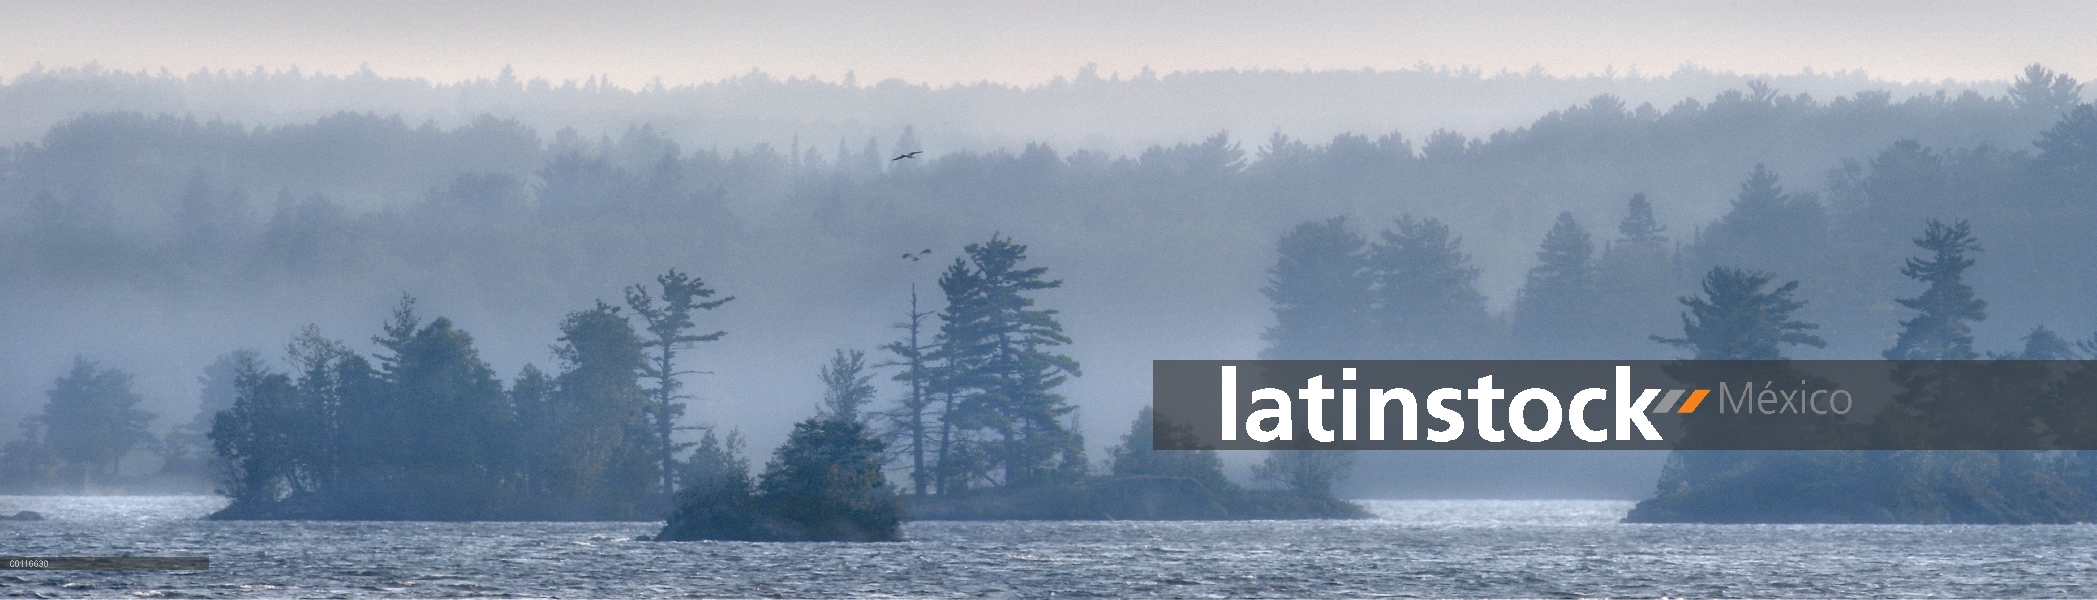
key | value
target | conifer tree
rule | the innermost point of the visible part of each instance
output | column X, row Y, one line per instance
column 1767, row 229
column 846, row 386
column 1426, row 303
column 1555, row 313
column 1639, row 226
column 255, row 456
column 1948, row 307
column 454, row 419
column 1634, row 281
column 669, row 331
column 997, row 351
column 826, row 484
column 1320, row 289
column 2044, row 344
column 1736, row 320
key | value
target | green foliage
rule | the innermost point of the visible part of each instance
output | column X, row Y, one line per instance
column 1736, row 320
column 826, row 480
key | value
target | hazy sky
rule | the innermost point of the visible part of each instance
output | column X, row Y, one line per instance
column 1029, row 42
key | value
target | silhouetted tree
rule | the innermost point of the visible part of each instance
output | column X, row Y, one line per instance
column 912, row 420
column 2041, row 89
column 1321, row 294
column 605, row 465
column 846, row 386
column 826, row 481
column 668, row 328
column 92, row 420
column 2044, row 344
column 1943, row 330
column 997, row 348
column 1736, row 320
column 1555, row 314
column 1639, row 226
column 186, row 450
column 1426, row 303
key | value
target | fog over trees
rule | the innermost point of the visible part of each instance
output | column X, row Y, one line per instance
column 157, row 243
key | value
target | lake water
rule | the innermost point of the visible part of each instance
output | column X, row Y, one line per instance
column 1416, row 548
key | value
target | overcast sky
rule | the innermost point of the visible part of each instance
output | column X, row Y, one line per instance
column 1029, row 42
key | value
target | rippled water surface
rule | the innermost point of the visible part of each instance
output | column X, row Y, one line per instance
column 1435, row 549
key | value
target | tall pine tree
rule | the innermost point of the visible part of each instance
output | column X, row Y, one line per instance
column 669, row 327
column 1943, row 331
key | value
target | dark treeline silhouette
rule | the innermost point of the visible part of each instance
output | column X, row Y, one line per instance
column 425, row 430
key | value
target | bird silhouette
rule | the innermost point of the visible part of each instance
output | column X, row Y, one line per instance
column 915, row 256
column 911, row 154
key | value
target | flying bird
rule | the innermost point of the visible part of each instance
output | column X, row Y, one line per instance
column 911, row 154
column 915, row 256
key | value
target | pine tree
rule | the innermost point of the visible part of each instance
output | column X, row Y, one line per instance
column 1426, row 303
column 1634, row 281
column 669, row 327
column 250, row 438
column 826, row 484
column 1943, row 330
column 846, row 386
column 1320, row 291
column 2044, row 344
column 1639, row 226
column 998, row 355
column 1555, row 313
column 454, row 419
column 2040, row 89
column 1767, row 229
column 1736, row 320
